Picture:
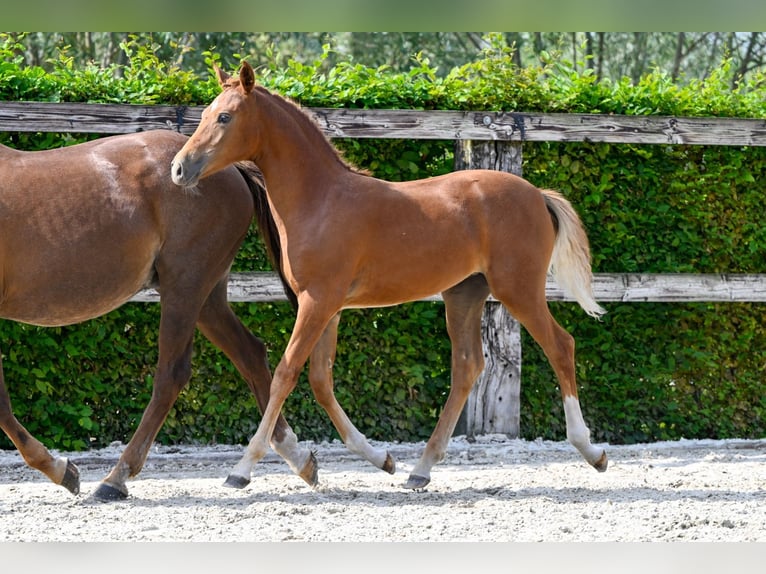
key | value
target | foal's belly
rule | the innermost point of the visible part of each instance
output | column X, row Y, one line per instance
column 390, row 289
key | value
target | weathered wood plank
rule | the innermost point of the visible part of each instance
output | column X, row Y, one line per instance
column 494, row 403
column 626, row 129
column 520, row 126
column 673, row 288
column 262, row 287
column 254, row 287
column 94, row 118
column 403, row 124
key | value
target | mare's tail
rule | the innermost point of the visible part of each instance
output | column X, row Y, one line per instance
column 265, row 221
column 570, row 262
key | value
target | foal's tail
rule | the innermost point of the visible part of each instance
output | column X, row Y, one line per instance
column 265, row 221
column 570, row 262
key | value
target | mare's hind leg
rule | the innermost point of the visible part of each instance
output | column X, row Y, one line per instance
column 173, row 372
column 59, row 470
column 531, row 310
column 248, row 353
column 464, row 305
column 320, row 377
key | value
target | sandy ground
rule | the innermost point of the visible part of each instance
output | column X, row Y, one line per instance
column 490, row 489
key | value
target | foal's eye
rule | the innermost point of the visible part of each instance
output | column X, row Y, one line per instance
column 224, row 118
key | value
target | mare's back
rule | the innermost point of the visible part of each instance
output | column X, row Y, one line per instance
column 83, row 228
column 116, row 166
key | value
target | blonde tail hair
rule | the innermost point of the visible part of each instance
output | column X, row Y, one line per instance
column 570, row 261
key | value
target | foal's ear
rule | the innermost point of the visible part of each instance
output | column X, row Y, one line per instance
column 246, row 77
column 222, row 76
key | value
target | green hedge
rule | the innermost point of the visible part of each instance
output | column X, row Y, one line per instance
column 646, row 372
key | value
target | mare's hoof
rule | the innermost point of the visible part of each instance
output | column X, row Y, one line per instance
column 415, row 482
column 390, row 465
column 71, row 480
column 234, row 481
column 109, row 493
column 601, row 464
column 310, row 471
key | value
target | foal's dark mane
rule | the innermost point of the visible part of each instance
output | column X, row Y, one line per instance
column 309, row 125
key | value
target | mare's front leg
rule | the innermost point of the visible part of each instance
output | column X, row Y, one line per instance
column 58, row 469
column 320, row 377
column 310, row 323
column 173, row 372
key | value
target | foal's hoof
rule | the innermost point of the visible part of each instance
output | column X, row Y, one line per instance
column 71, row 480
column 415, row 482
column 390, row 465
column 238, row 482
column 601, row 464
column 109, row 493
column 310, row 471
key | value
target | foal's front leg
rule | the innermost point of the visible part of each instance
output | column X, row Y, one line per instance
column 223, row 328
column 320, row 377
column 309, row 325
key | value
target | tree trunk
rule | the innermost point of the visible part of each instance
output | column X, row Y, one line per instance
column 680, row 40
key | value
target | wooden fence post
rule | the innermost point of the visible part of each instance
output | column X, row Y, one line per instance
column 493, row 405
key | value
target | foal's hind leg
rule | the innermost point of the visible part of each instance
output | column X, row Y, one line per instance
column 531, row 310
column 59, row 470
column 320, row 377
column 464, row 305
column 248, row 353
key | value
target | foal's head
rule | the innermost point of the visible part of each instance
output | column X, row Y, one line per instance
column 227, row 131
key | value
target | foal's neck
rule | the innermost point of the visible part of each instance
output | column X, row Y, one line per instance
column 295, row 147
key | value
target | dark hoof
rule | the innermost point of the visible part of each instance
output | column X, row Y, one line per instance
column 416, row 482
column 71, row 480
column 310, row 472
column 390, row 465
column 601, row 464
column 234, row 481
column 108, row 493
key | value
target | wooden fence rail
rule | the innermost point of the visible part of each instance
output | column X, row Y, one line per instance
column 473, row 130
column 265, row 287
column 403, row 124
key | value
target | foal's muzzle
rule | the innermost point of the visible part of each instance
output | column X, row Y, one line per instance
column 184, row 174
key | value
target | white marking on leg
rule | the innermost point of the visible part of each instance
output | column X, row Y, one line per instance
column 577, row 432
column 431, row 456
column 357, row 443
column 255, row 451
column 295, row 455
